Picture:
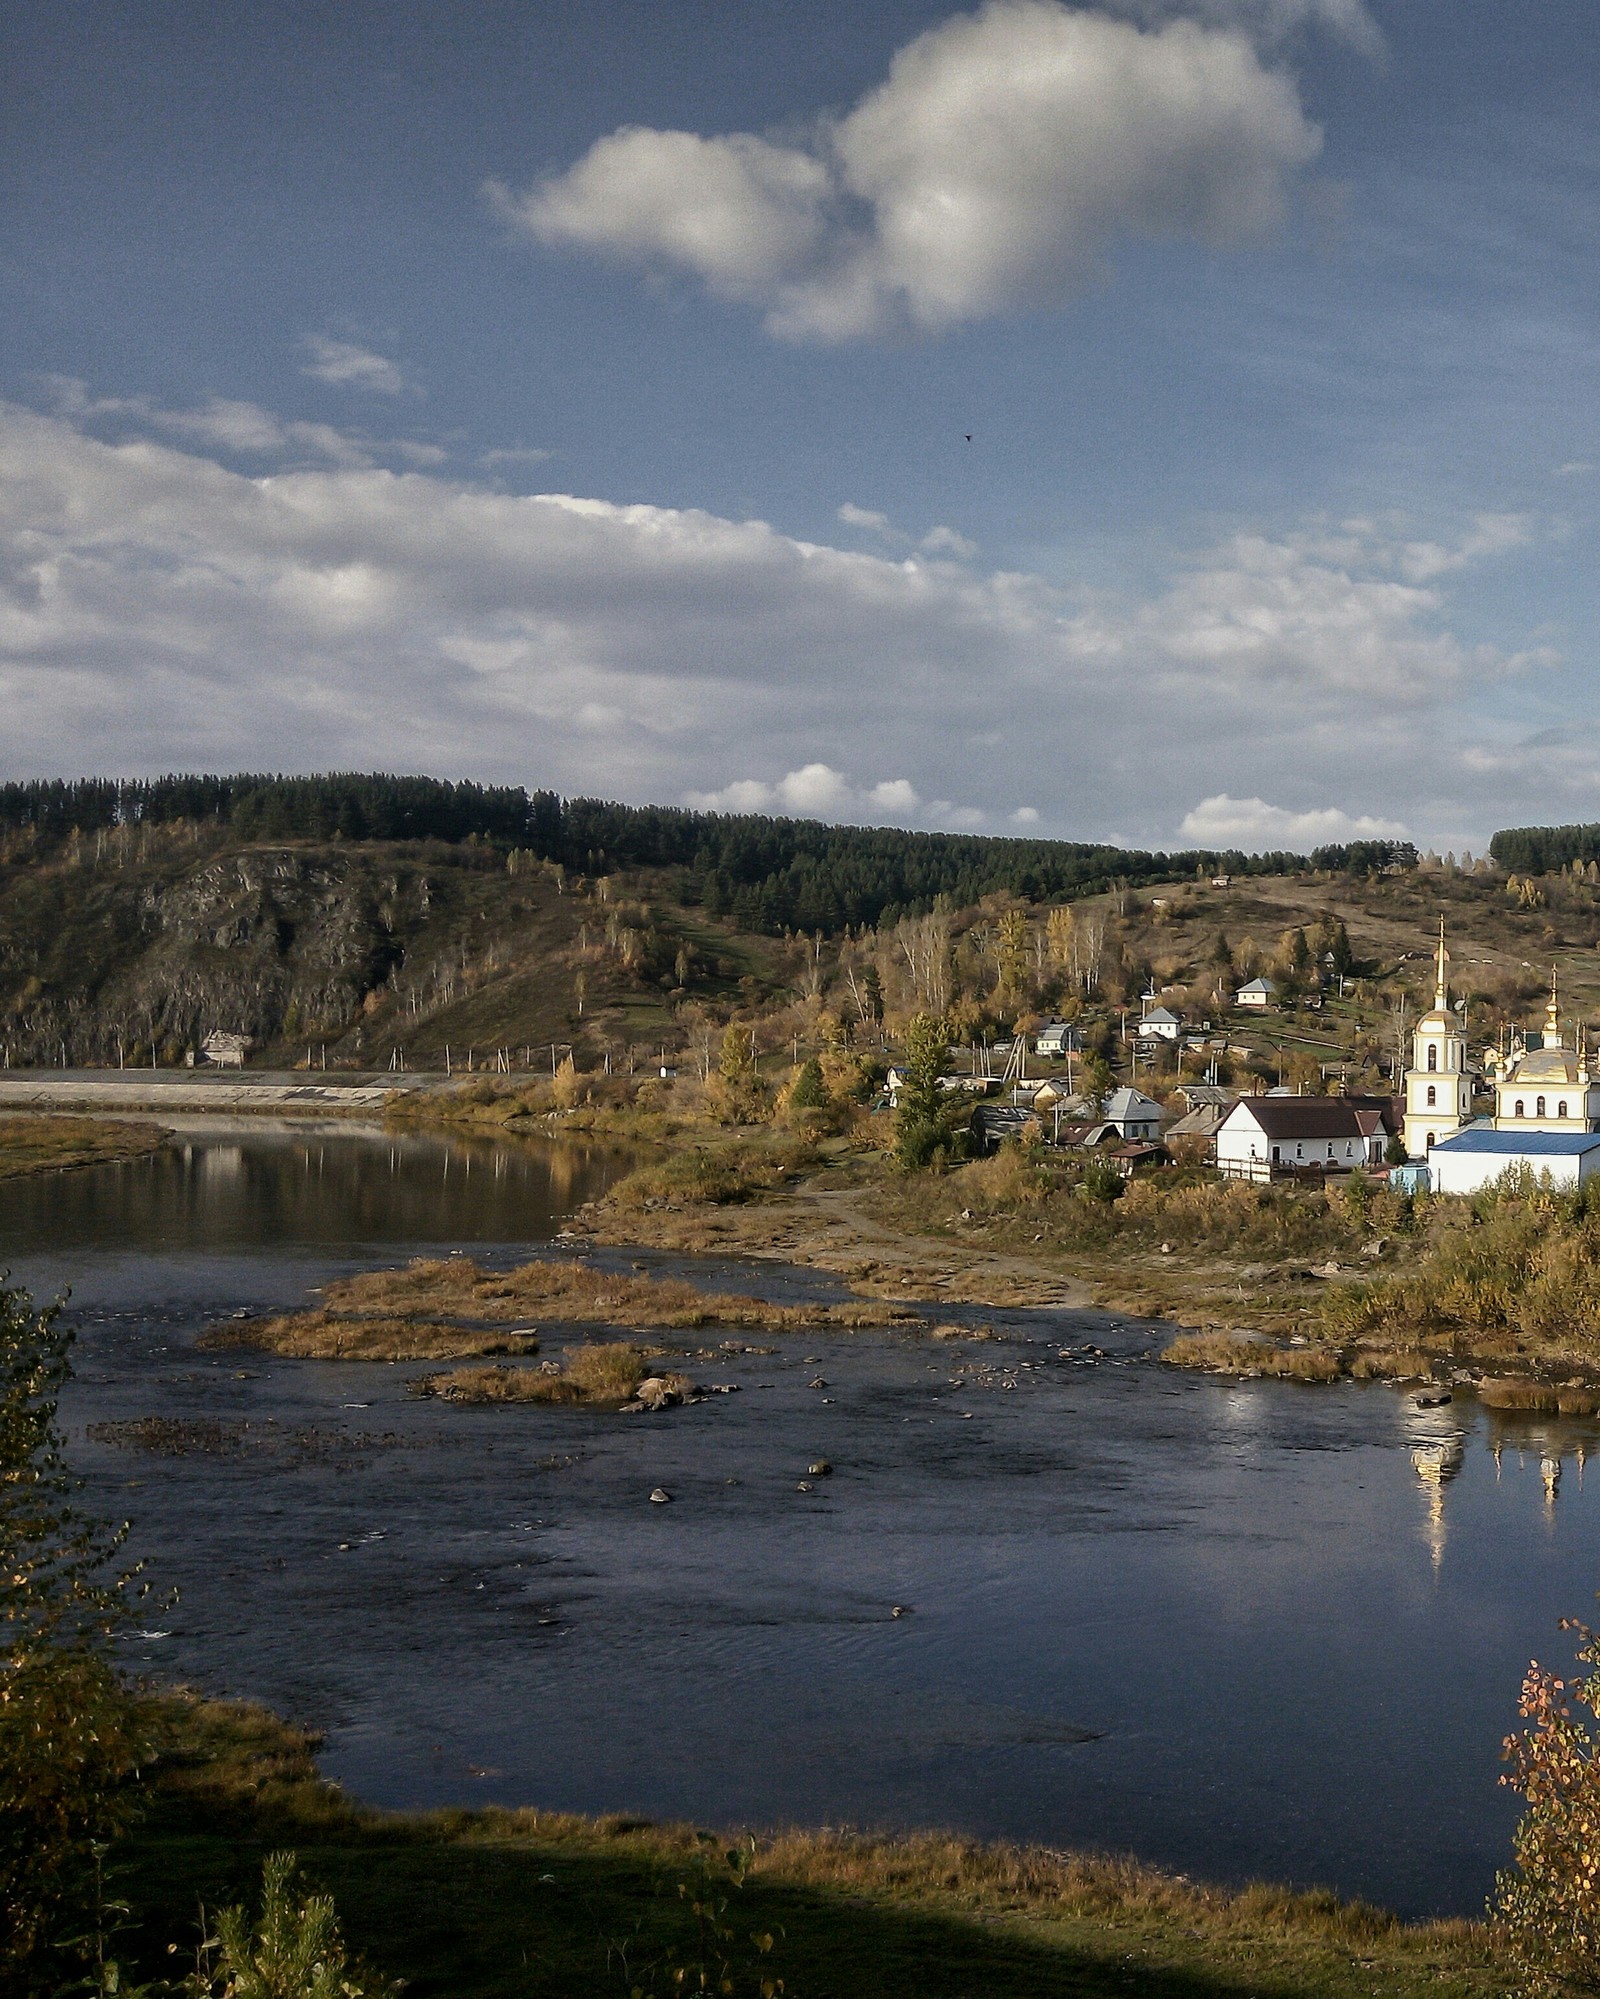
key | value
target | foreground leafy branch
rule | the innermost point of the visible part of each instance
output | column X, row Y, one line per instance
column 70, row 1741
column 1548, row 1907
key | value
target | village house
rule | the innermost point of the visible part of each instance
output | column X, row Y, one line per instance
column 226, row 1051
column 1159, row 1024
column 1263, row 1136
column 1130, row 1115
column 1058, row 1038
column 1257, row 993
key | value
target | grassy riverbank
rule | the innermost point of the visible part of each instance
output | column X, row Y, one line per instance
column 49, row 1144
column 542, row 1905
column 437, row 1309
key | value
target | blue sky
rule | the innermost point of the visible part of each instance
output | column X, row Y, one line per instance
column 582, row 397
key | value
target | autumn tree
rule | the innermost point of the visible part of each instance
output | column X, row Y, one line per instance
column 69, row 1740
column 1547, row 1907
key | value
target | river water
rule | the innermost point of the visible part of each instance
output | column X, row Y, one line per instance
column 1241, row 1629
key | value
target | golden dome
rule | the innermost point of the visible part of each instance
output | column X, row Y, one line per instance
column 1545, row 1065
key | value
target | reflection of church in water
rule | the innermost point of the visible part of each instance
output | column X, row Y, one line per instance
column 1437, row 1460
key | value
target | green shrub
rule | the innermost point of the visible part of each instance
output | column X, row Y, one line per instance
column 293, row 1951
column 70, row 1742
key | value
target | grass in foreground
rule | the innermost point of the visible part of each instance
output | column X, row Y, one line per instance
column 437, row 1309
column 542, row 1905
column 48, row 1143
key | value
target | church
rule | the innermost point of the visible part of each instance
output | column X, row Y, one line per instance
column 1546, row 1101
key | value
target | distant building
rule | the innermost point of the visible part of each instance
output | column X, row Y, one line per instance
column 1263, row 1136
column 1193, row 1095
column 1160, row 1024
column 227, row 1051
column 1259, row 993
column 1129, row 1115
column 1057, row 1038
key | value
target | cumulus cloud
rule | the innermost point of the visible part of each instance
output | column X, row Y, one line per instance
column 1004, row 155
column 161, row 607
column 869, row 521
column 1269, row 22
column 816, row 791
column 243, row 429
column 1254, row 826
column 343, row 365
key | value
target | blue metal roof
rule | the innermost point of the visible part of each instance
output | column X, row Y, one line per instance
column 1526, row 1144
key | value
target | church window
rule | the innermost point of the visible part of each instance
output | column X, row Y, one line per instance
column 1561, row 1108
column 1538, row 1109
column 1433, row 1096
column 1433, row 1056
column 1520, row 1111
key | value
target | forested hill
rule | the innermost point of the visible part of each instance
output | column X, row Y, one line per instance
column 1545, row 850
column 768, row 875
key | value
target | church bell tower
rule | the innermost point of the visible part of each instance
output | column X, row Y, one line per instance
column 1438, row 1084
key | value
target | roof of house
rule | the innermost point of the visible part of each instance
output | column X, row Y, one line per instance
column 1196, row 1094
column 1201, row 1122
column 1300, row 1117
column 1478, row 1139
column 1163, row 1016
column 1258, row 986
column 1124, row 1104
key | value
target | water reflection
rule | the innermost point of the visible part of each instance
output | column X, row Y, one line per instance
column 1439, row 1441
column 255, row 1184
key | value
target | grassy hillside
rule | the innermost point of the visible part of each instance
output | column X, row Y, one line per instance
column 144, row 944
column 130, row 942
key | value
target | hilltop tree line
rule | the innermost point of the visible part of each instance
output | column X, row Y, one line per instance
column 1545, row 850
column 769, row 875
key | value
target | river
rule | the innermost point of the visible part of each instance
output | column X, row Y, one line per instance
column 1240, row 1629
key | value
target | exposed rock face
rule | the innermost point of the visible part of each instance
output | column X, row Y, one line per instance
column 120, row 947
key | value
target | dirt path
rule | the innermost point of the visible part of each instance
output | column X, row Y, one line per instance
column 832, row 1228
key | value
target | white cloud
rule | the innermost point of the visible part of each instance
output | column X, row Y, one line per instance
column 244, row 429
column 345, row 366
column 945, row 541
column 816, row 791
column 1575, row 468
column 1004, row 155
column 1256, row 827
column 872, row 523
column 1269, row 22
column 1025, row 815
column 160, row 608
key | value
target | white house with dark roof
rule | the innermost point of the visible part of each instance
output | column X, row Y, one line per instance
column 1257, row 993
column 1261, row 1136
